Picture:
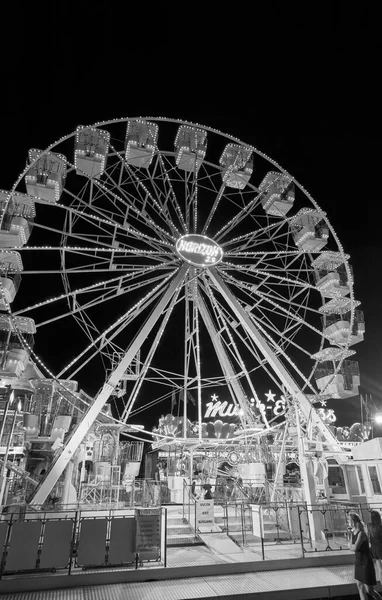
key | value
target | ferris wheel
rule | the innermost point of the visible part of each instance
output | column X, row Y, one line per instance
column 166, row 256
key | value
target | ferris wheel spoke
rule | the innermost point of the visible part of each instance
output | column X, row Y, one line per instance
column 261, row 233
column 108, row 295
column 142, row 198
column 247, row 342
column 123, row 202
column 119, row 325
column 237, row 219
column 275, row 306
column 108, row 228
column 298, row 283
column 83, row 290
column 161, row 204
column 96, row 191
column 97, row 239
column 149, row 357
column 165, row 169
column 215, row 205
column 230, row 348
column 257, row 331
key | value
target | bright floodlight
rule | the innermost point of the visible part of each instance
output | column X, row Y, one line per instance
column 378, row 419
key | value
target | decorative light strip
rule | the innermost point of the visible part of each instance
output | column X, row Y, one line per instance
column 96, row 249
column 119, row 320
column 84, row 289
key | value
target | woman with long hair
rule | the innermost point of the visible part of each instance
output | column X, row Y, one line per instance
column 374, row 530
column 364, row 572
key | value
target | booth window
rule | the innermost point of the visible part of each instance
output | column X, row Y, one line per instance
column 374, row 480
column 336, row 480
column 360, row 477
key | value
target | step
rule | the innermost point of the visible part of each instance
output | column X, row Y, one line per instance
column 184, row 541
column 175, row 521
column 184, row 530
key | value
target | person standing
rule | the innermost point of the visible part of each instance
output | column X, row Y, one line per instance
column 207, row 490
column 364, row 572
column 374, row 530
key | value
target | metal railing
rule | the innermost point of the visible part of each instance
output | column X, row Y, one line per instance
column 71, row 540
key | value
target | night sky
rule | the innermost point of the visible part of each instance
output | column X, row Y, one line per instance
column 300, row 87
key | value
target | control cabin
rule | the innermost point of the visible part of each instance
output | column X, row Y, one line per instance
column 360, row 478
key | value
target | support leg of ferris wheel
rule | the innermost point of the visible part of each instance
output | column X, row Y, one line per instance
column 147, row 362
column 60, row 462
column 279, row 463
column 237, row 393
column 286, row 379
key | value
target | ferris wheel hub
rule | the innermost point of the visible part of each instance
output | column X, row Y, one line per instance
column 199, row 250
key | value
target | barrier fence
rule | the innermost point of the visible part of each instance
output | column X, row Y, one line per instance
column 74, row 539
column 262, row 528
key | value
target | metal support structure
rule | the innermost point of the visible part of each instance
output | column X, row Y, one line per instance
column 3, row 470
column 9, row 399
column 285, row 378
column 60, row 462
column 279, row 463
column 237, row 392
column 147, row 363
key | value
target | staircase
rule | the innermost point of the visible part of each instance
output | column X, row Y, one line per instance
column 180, row 533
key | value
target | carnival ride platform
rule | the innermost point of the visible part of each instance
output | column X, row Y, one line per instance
column 200, row 571
column 188, row 576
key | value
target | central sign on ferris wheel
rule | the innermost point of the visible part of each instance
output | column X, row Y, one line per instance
column 199, row 250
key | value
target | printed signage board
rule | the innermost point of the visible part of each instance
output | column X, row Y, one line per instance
column 257, row 521
column 205, row 515
column 148, row 533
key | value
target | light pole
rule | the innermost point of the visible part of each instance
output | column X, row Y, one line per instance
column 3, row 471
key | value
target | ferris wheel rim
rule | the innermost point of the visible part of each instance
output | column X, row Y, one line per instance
column 226, row 136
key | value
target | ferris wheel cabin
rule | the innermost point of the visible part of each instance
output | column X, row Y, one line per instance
column 190, row 148
column 141, row 140
column 237, row 163
column 10, row 268
column 46, row 177
column 16, row 220
column 277, row 194
column 16, row 343
column 341, row 384
column 91, row 149
column 310, row 231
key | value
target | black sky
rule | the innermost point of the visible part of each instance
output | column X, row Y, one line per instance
column 300, row 86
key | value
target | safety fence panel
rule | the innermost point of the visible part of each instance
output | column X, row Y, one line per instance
column 23, row 545
column 56, row 549
column 92, row 542
column 3, row 536
column 122, row 541
column 70, row 540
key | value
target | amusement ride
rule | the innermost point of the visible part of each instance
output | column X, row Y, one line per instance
column 166, row 264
